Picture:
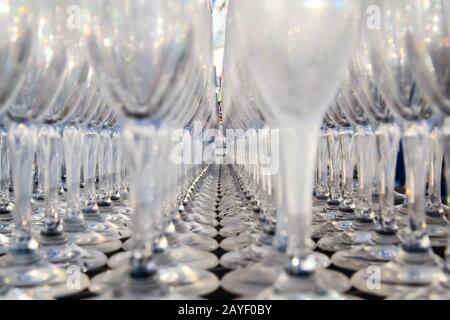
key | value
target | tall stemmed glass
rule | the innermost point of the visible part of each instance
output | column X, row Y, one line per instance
column 74, row 98
column 24, row 266
column 82, row 230
column 107, row 222
column 415, row 264
column 427, row 44
column 181, row 266
column 18, row 20
column 138, row 65
column 382, row 245
column 293, row 32
column 199, row 117
column 362, row 225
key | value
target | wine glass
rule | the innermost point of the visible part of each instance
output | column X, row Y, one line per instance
column 415, row 264
column 427, row 52
column 24, row 265
column 18, row 25
column 141, row 67
column 293, row 33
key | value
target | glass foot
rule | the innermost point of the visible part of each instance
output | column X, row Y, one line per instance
column 244, row 257
column 233, row 230
column 406, row 272
column 191, row 257
column 289, row 287
column 201, row 229
column 238, row 242
column 362, row 257
column 438, row 290
column 252, row 280
column 70, row 255
column 4, row 243
column 120, row 286
column 343, row 241
column 42, row 276
column 94, row 240
column 197, row 241
column 182, row 279
column 110, row 230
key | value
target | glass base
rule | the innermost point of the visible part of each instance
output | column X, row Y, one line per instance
column 7, row 212
column 344, row 241
column 406, row 272
column 438, row 290
column 253, row 253
column 203, row 219
column 437, row 215
column 326, row 228
column 206, row 211
column 70, row 255
column 124, row 287
column 197, row 241
column 244, row 257
column 24, row 294
column 184, row 254
column 94, row 240
column 289, row 287
column 236, row 219
column 4, row 244
column 40, row 276
column 364, row 256
column 181, row 278
column 233, row 230
column 201, row 229
column 233, row 211
column 254, row 279
column 110, row 230
column 238, row 242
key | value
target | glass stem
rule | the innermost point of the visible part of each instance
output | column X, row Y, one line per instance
column 5, row 201
column 387, row 141
column 435, row 172
column 116, row 163
column 40, row 165
column 140, row 147
column 299, row 143
column 49, row 144
column 322, row 178
column 22, row 144
column 416, row 153
column 123, row 174
column 74, row 219
column 280, row 241
column 90, row 153
column 346, row 146
column 364, row 145
column 104, row 168
column 334, row 167
column 446, row 132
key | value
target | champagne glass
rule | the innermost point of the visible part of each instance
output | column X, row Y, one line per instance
column 415, row 264
column 139, row 65
column 293, row 33
column 24, row 265
column 18, row 25
column 427, row 51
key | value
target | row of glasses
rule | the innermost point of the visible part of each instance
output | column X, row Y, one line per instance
column 143, row 54
column 385, row 98
column 415, row 263
column 56, row 97
column 44, row 66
